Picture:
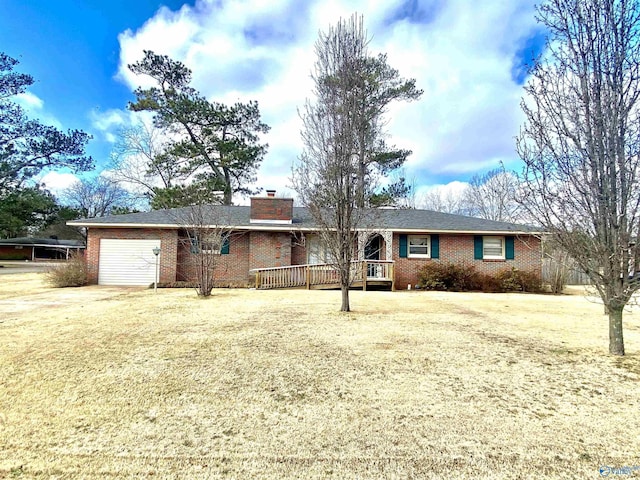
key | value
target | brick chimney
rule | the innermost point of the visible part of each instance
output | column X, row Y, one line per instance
column 270, row 209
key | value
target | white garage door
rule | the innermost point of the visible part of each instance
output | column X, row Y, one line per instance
column 127, row 262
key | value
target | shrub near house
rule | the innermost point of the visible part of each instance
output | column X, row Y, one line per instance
column 73, row 273
column 462, row 278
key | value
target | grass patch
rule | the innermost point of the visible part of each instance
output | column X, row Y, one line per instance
column 105, row 382
column 630, row 363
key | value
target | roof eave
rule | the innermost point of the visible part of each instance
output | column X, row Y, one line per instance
column 466, row 231
column 75, row 223
column 288, row 228
column 47, row 245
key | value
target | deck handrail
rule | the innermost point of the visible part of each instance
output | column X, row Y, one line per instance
column 315, row 274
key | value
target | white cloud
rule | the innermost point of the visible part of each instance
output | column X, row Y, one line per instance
column 111, row 118
column 110, row 122
column 461, row 53
column 29, row 101
column 35, row 108
column 55, row 182
column 455, row 188
column 442, row 197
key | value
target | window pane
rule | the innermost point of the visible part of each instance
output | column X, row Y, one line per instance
column 210, row 247
column 492, row 247
column 418, row 245
column 318, row 252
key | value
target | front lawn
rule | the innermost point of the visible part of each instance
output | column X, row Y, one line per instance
column 110, row 383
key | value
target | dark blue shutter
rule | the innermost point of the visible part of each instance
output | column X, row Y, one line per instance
column 477, row 247
column 509, row 248
column 435, row 246
column 403, row 246
column 225, row 247
column 194, row 244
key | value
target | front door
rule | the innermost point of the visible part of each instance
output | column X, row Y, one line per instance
column 372, row 248
column 372, row 252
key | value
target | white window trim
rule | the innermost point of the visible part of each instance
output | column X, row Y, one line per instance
column 210, row 251
column 502, row 256
column 418, row 255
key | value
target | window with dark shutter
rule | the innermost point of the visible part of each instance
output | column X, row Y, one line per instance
column 493, row 248
column 418, row 246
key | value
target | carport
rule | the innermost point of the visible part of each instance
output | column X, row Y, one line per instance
column 34, row 249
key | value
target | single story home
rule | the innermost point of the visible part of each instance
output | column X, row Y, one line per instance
column 271, row 235
column 33, row 249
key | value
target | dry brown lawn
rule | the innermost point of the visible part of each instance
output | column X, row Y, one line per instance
column 102, row 382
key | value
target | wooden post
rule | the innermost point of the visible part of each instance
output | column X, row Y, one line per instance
column 308, row 275
column 364, row 275
column 257, row 279
column 393, row 277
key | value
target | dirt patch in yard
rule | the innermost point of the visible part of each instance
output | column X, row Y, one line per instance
column 106, row 382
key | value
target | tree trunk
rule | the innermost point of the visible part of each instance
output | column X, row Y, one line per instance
column 227, row 199
column 616, row 340
column 345, row 299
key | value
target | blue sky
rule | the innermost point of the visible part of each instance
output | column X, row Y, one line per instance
column 469, row 57
column 71, row 49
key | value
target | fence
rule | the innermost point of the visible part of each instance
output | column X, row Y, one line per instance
column 574, row 276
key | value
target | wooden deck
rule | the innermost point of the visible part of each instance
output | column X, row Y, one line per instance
column 365, row 273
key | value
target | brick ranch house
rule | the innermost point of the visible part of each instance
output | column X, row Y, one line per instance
column 271, row 232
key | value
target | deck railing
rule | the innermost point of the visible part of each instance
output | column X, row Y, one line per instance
column 378, row 269
column 312, row 275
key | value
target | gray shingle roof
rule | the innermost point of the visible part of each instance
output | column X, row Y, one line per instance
column 238, row 217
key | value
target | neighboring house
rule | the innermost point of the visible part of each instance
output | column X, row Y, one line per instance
column 272, row 233
column 27, row 248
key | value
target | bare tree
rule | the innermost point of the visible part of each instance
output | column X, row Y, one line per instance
column 580, row 143
column 98, row 197
column 206, row 235
column 557, row 264
column 327, row 177
column 140, row 158
column 493, row 196
column 445, row 200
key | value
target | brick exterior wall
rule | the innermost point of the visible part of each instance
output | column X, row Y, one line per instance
column 269, row 249
column 271, row 208
column 256, row 249
column 13, row 253
column 458, row 249
column 298, row 253
column 247, row 250
column 231, row 269
column 168, row 247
